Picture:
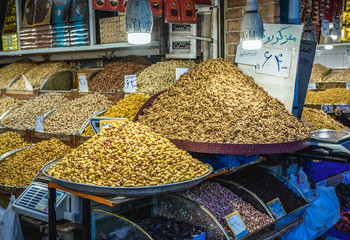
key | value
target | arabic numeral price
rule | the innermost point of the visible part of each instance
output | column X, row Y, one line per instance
column 327, row 108
column 130, row 84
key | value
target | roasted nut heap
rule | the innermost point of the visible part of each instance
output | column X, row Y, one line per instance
column 318, row 72
column 125, row 108
column 8, row 103
column 111, row 78
column 319, row 120
column 267, row 187
column 70, row 117
column 220, row 202
column 24, row 116
column 20, row 169
column 215, row 102
column 160, row 76
column 10, row 141
column 38, row 74
column 127, row 154
column 342, row 76
column 329, row 96
column 12, row 70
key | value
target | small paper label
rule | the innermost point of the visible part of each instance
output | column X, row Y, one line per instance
column 97, row 123
column 276, row 208
column 336, row 27
column 130, row 85
column 180, row 71
column 345, row 108
column 83, row 86
column 346, row 177
column 325, row 28
column 327, row 108
column 312, row 86
column 39, row 126
column 322, row 183
column 106, row 123
column 348, row 85
column 236, row 224
column 274, row 62
column 248, row 57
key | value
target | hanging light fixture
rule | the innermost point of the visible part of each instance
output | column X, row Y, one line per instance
column 252, row 28
column 138, row 21
column 328, row 43
column 308, row 33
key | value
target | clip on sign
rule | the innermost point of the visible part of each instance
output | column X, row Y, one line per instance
column 172, row 11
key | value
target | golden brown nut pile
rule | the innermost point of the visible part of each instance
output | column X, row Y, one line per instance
column 318, row 72
column 319, row 120
column 111, row 78
column 8, row 103
column 38, row 74
column 71, row 116
column 329, row 96
column 12, row 70
column 341, row 76
column 24, row 116
column 160, row 76
column 127, row 154
column 125, row 108
column 10, row 141
column 20, row 169
column 215, row 102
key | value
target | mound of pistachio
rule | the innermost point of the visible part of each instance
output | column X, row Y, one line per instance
column 127, row 154
column 216, row 102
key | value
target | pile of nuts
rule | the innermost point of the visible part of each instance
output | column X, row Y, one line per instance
column 342, row 76
column 267, row 187
column 160, row 76
column 319, row 120
column 215, row 102
column 10, row 141
column 220, row 202
column 125, row 108
column 8, row 103
column 20, row 169
column 318, row 72
column 70, row 117
column 111, row 78
column 329, row 96
column 127, row 154
column 24, row 116
column 38, row 74
column 12, row 70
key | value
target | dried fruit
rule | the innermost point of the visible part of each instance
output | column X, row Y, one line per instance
column 341, row 76
column 20, row 169
column 319, row 120
column 12, row 70
column 161, row 76
column 127, row 154
column 8, row 103
column 10, row 141
column 318, row 72
column 215, row 102
column 329, row 96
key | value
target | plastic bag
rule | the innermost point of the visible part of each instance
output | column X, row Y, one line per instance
column 301, row 181
column 10, row 228
column 320, row 216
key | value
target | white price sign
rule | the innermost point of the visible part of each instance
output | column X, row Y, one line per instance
column 345, row 108
column 276, row 208
column 83, row 86
column 274, row 62
column 39, row 125
column 348, row 85
column 312, row 86
column 325, row 28
column 346, row 177
column 248, row 57
column 327, row 108
column 336, row 27
column 130, row 85
column 180, row 71
column 236, row 224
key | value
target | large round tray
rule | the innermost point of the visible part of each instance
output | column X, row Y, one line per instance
column 227, row 148
column 125, row 191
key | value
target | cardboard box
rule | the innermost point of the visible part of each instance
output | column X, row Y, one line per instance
column 112, row 29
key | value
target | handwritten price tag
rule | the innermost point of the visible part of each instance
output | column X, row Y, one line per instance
column 236, row 224
column 180, row 71
column 322, row 183
column 325, row 28
column 346, row 177
column 248, row 57
column 336, row 27
column 83, row 86
column 345, row 108
column 312, row 86
column 130, row 84
column 39, row 125
column 348, row 85
column 327, row 108
column 276, row 208
column 274, row 62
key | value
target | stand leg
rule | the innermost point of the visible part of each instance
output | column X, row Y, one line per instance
column 52, row 213
column 86, row 219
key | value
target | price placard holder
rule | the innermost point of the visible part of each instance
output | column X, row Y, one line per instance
column 312, row 86
column 83, row 85
column 327, row 108
column 348, row 85
column 276, row 208
column 39, row 125
column 235, row 222
column 130, row 84
column 98, row 123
